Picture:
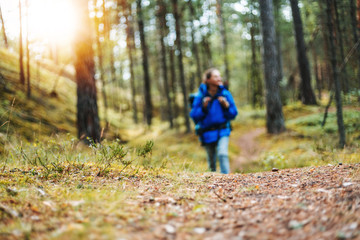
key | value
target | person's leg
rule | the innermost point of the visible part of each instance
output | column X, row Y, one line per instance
column 222, row 154
column 211, row 156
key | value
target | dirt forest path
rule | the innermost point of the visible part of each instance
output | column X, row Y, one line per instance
column 250, row 149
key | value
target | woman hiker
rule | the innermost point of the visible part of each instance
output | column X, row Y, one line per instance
column 212, row 110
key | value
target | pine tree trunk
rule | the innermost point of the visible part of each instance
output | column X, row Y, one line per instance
column 173, row 84
column 307, row 94
column 87, row 110
column 194, row 44
column 274, row 115
column 162, row 27
column 356, row 39
column 181, row 66
column 223, row 40
column 335, row 71
column 255, row 81
column 147, row 87
column 345, row 82
column 277, row 8
column 130, row 50
column 316, row 70
column 21, row 51
column 101, row 64
column 28, row 89
column 3, row 29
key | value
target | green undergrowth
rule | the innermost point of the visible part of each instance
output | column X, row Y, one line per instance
column 43, row 114
column 306, row 142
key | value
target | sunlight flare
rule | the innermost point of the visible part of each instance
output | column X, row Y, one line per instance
column 54, row 21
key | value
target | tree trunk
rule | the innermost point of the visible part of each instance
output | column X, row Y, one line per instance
column 307, row 94
column 28, row 89
column 181, row 66
column 130, row 50
column 21, row 51
column 162, row 23
column 173, row 84
column 277, row 14
column 316, row 71
column 274, row 115
column 255, row 81
column 147, row 88
column 87, row 109
column 194, row 44
column 356, row 39
column 3, row 29
column 345, row 82
column 223, row 40
column 335, row 70
column 101, row 64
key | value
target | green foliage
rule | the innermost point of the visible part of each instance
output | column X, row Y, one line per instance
column 145, row 152
column 108, row 154
column 310, row 125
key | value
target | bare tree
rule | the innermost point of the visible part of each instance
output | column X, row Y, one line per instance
column 3, row 29
column 194, row 44
column 345, row 82
column 181, row 65
column 274, row 115
column 87, row 109
column 307, row 93
column 223, row 38
column 130, row 49
column 335, row 72
column 162, row 22
column 147, row 87
column 28, row 92
column 354, row 25
column 21, row 51
column 101, row 60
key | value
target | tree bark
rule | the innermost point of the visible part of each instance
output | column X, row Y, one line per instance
column 162, row 27
column 223, row 40
column 28, row 89
column 335, row 69
column 274, row 115
column 345, row 82
column 194, row 44
column 255, row 81
column 3, row 29
column 147, row 87
column 130, row 50
column 173, row 84
column 307, row 93
column 356, row 39
column 101, row 64
column 21, row 51
column 181, row 66
column 277, row 13
column 316, row 71
column 87, row 109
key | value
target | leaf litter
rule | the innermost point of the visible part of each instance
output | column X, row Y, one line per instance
column 307, row 203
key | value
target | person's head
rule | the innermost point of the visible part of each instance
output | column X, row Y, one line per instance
column 212, row 77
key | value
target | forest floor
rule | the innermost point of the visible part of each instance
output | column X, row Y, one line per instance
column 250, row 149
column 306, row 203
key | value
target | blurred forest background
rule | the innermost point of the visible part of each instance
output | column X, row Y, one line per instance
column 136, row 61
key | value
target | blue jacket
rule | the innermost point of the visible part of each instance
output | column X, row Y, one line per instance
column 213, row 121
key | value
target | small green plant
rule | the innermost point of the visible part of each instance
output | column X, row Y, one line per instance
column 145, row 152
column 108, row 154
